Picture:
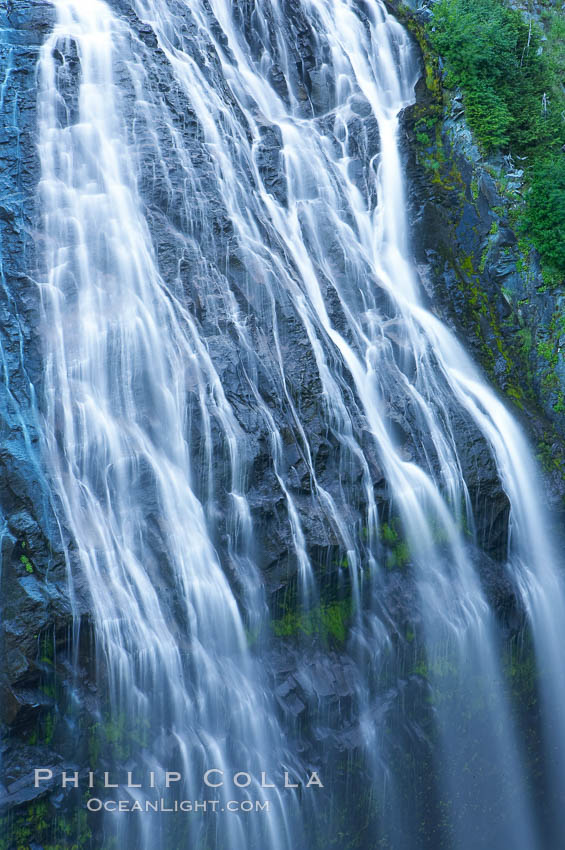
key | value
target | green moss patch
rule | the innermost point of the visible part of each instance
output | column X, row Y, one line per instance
column 329, row 622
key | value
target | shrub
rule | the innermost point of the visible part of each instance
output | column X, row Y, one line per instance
column 514, row 100
column 544, row 217
column 491, row 52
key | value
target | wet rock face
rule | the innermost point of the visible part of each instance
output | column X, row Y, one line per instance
column 33, row 589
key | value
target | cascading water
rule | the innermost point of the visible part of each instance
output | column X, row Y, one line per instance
column 121, row 358
column 150, row 450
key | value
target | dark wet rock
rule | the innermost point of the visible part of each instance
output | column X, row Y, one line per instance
column 269, row 163
column 34, row 598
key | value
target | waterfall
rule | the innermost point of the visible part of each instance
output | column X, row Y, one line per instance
column 122, row 353
column 295, row 285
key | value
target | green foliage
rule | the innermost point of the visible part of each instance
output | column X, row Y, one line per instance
column 546, row 350
column 399, row 556
column 120, row 735
column 489, row 117
column 554, row 50
column 327, row 621
column 491, row 52
column 549, row 458
column 425, row 130
column 524, row 337
column 388, row 533
column 423, row 139
column 27, row 563
column 544, row 218
column 398, row 550
column 48, row 729
column 39, row 823
column 514, row 98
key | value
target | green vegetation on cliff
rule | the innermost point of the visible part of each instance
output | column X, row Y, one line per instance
column 544, row 218
column 492, row 53
column 486, row 212
column 329, row 621
column 514, row 98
